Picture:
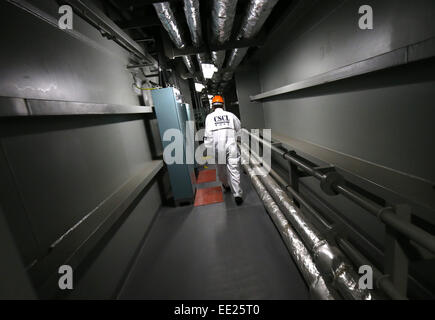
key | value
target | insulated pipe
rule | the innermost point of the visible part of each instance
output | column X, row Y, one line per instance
column 222, row 19
column 295, row 246
column 188, row 61
column 257, row 14
column 167, row 18
column 193, row 18
column 329, row 259
column 386, row 215
column 382, row 281
column 227, row 76
column 293, row 192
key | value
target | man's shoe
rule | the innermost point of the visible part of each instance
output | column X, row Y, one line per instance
column 239, row 200
column 226, row 188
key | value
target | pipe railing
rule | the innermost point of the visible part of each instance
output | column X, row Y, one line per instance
column 333, row 183
column 319, row 289
column 383, row 281
column 330, row 261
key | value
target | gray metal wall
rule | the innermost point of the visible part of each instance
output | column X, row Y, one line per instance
column 385, row 118
column 357, row 118
column 41, row 61
column 56, row 170
column 251, row 113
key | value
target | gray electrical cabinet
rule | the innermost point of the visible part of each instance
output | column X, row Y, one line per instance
column 172, row 113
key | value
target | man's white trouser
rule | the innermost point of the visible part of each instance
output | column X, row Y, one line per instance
column 228, row 167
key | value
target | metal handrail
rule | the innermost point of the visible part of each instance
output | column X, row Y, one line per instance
column 338, row 184
column 382, row 281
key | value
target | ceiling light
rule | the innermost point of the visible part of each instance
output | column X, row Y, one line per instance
column 199, row 87
column 208, row 70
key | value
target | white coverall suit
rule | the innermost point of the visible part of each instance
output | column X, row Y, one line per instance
column 221, row 130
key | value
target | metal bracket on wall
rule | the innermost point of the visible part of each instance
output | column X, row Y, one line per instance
column 19, row 107
column 396, row 257
column 294, row 174
column 401, row 56
column 138, row 66
column 380, row 181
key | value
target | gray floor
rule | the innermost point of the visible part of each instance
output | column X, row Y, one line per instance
column 219, row 251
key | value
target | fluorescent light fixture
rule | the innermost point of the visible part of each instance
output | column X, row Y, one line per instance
column 199, row 87
column 210, row 98
column 208, row 70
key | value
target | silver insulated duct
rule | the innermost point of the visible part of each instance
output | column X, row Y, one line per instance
column 191, row 10
column 257, row 14
column 193, row 18
column 167, row 18
column 222, row 19
column 318, row 287
column 328, row 258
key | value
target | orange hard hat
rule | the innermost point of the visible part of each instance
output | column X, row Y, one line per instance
column 217, row 99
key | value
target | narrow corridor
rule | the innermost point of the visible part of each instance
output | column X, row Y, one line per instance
column 218, row 251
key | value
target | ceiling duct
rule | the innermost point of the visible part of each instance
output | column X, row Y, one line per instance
column 217, row 77
column 191, row 10
column 227, row 76
column 222, row 20
column 257, row 14
column 167, row 18
column 188, row 61
column 193, row 18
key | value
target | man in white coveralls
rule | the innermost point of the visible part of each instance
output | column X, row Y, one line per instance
column 221, row 131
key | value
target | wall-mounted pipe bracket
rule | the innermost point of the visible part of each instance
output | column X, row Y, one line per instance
column 329, row 182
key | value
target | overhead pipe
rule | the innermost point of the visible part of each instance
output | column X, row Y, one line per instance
column 227, row 76
column 329, row 259
column 92, row 14
column 167, row 18
column 188, row 61
column 193, row 18
column 217, row 77
column 222, row 20
column 318, row 287
column 257, row 14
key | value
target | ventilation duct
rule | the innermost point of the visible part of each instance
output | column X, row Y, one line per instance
column 167, row 18
column 217, row 77
column 191, row 10
column 228, row 75
column 223, row 14
column 257, row 14
column 193, row 18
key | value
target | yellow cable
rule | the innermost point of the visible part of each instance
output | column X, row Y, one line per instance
column 145, row 88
